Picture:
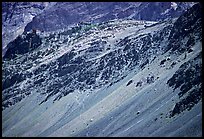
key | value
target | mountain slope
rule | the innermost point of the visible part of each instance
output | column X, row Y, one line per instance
column 116, row 78
column 69, row 13
column 16, row 16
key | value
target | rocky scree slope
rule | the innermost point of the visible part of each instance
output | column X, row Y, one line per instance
column 68, row 68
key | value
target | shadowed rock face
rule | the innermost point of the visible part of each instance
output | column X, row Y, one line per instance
column 15, row 16
column 23, row 45
column 188, row 79
column 187, row 25
column 69, row 13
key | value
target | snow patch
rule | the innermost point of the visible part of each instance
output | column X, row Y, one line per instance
column 174, row 5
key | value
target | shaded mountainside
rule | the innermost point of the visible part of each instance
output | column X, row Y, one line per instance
column 15, row 16
column 115, row 78
column 69, row 13
column 18, row 17
column 188, row 79
column 191, row 26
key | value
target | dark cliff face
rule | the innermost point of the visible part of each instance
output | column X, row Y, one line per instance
column 69, row 13
column 188, row 80
column 22, row 45
column 15, row 16
column 188, row 25
column 188, row 77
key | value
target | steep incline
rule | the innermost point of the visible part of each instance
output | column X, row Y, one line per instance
column 116, row 78
column 16, row 16
column 51, row 16
column 69, row 13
